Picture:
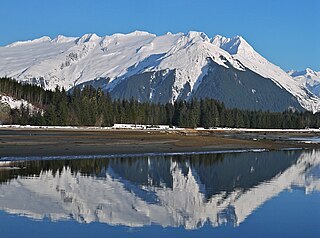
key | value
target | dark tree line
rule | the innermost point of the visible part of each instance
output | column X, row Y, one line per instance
column 93, row 107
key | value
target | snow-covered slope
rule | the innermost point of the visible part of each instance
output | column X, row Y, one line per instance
column 240, row 49
column 76, row 60
column 166, row 192
column 17, row 103
column 308, row 78
column 173, row 65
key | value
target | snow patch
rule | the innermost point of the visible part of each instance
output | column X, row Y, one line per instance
column 14, row 103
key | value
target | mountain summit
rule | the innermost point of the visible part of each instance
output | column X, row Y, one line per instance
column 308, row 78
column 159, row 69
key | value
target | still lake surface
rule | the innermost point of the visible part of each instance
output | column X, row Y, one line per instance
column 250, row 194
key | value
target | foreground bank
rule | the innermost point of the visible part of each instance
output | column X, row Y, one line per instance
column 95, row 141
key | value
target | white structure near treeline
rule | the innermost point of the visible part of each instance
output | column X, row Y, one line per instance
column 142, row 127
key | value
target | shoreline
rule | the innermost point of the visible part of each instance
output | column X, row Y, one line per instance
column 156, row 128
column 22, row 142
column 4, row 161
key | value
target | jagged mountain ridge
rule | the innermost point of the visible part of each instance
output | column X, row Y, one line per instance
column 307, row 78
column 158, row 69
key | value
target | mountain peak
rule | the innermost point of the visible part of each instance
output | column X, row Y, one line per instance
column 307, row 78
column 87, row 38
column 38, row 40
column 306, row 72
column 140, row 33
column 197, row 35
column 63, row 39
column 310, row 71
column 232, row 45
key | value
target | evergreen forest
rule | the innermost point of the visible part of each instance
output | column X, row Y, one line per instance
column 92, row 107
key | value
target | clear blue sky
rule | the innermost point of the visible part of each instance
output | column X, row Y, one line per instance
column 287, row 32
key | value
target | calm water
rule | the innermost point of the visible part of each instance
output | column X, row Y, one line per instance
column 253, row 194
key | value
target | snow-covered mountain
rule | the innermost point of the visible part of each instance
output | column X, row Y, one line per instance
column 164, row 191
column 158, row 68
column 308, row 78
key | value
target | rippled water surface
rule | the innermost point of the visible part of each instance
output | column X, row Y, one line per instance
column 250, row 194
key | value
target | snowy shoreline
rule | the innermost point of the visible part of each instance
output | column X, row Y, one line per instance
column 157, row 127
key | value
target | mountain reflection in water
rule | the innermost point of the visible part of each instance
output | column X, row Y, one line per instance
column 171, row 191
